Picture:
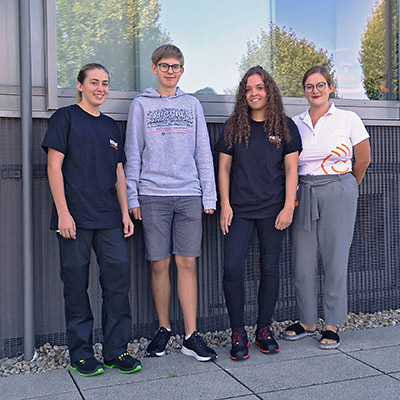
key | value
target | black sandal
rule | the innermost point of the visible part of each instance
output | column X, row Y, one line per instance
column 331, row 336
column 299, row 331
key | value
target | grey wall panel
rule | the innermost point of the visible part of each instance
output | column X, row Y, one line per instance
column 9, row 43
column 374, row 281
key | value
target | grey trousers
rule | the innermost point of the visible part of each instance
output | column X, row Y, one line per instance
column 323, row 225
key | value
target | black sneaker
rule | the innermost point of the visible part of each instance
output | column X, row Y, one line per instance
column 240, row 345
column 196, row 347
column 88, row 367
column 157, row 346
column 265, row 340
column 125, row 363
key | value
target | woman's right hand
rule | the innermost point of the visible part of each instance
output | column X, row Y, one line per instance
column 225, row 219
column 66, row 226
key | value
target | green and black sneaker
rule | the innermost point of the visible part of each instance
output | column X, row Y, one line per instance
column 125, row 363
column 88, row 367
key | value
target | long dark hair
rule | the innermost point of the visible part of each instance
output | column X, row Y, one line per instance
column 237, row 128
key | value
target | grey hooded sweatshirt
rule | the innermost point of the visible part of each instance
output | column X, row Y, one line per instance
column 168, row 149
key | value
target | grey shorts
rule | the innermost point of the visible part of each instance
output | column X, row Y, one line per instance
column 171, row 224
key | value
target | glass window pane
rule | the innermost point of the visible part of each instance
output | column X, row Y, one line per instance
column 109, row 32
column 222, row 39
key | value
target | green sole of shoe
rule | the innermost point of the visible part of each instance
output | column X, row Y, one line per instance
column 98, row 372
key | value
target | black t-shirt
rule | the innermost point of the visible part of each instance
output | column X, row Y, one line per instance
column 93, row 146
column 257, row 182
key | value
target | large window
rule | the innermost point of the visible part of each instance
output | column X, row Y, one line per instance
column 355, row 39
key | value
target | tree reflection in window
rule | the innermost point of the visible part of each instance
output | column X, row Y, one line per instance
column 120, row 34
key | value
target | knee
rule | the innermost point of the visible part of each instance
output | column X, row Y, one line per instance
column 186, row 265
column 233, row 272
column 160, row 267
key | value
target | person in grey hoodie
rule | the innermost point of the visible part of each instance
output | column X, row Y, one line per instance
column 170, row 181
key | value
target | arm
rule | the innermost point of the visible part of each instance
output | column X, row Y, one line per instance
column 123, row 202
column 224, row 173
column 204, row 162
column 362, row 154
column 133, row 150
column 66, row 223
column 285, row 217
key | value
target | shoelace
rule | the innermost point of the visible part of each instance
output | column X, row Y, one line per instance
column 265, row 333
column 199, row 340
column 238, row 337
column 161, row 338
column 122, row 356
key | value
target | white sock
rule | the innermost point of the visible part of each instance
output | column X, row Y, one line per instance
column 188, row 336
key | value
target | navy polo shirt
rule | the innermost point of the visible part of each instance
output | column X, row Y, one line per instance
column 93, row 146
column 257, row 182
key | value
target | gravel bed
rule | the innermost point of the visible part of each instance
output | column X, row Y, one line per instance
column 50, row 357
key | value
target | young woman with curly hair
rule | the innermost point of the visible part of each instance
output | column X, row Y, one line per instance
column 257, row 179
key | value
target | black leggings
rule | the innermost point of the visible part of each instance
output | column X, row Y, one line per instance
column 236, row 246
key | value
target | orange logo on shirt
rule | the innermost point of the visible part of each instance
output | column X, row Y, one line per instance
column 340, row 166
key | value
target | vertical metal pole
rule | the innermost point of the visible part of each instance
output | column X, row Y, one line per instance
column 398, row 49
column 27, row 176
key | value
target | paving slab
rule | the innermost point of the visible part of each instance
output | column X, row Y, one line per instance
column 62, row 396
column 29, row 386
column 370, row 338
column 169, row 366
column 385, row 359
column 376, row 387
column 395, row 376
column 206, row 386
column 301, row 372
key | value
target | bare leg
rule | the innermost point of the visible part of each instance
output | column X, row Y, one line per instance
column 187, row 291
column 161, row 286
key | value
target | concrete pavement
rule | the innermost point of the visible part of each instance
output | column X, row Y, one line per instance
column 366, row 366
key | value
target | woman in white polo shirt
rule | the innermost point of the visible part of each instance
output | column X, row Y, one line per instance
column 324, row 220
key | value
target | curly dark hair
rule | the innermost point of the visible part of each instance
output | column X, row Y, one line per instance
column 237, row 128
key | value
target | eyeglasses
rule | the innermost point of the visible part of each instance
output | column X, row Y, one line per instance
column 164, row 67
column 320, row 87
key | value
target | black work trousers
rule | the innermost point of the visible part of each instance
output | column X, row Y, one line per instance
column 112, row 256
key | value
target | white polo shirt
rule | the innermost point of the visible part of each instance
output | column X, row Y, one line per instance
column 328, row 148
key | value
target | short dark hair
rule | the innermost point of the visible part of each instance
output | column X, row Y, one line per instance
column 167, row 51
column 83, row 72
column 318, row 69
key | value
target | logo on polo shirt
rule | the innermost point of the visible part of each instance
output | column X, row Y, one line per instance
column 340, row 162
column 113, row 144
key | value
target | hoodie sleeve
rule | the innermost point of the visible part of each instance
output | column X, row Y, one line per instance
column 204, row 161
column 134, row 144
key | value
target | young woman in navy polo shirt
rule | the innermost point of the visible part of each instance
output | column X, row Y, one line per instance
column 87, row 181
column 257, row 179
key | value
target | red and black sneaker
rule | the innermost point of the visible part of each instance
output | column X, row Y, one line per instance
column 265, row 340
column 240, row 345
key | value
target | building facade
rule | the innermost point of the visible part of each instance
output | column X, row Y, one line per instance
column 220, row 41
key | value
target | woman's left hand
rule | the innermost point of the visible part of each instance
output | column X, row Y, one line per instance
column 128, row 226
column 284, row 219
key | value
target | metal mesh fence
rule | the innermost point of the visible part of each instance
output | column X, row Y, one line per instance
column 374, row 282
